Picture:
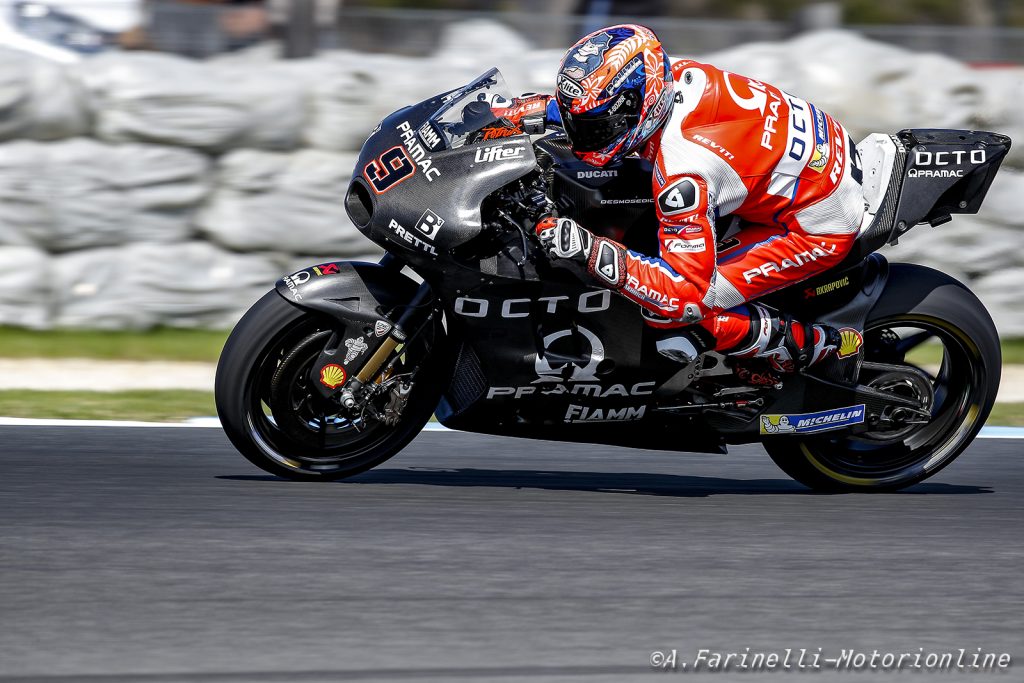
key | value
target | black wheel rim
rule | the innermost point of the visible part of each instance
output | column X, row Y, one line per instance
column 955, row 367
column 297, row 431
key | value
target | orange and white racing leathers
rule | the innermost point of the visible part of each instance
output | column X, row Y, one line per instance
column 734, row 145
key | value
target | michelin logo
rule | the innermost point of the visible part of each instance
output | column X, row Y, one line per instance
column 810, row 423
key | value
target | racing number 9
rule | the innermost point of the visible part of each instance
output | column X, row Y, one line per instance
column 389, row 169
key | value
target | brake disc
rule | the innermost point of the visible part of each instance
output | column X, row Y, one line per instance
column 899, row 421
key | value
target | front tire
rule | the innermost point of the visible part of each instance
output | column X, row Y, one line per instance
column 918, row 305
column 276, row 421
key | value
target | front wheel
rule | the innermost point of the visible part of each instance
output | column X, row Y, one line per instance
column 928, row 338
column 276, row 419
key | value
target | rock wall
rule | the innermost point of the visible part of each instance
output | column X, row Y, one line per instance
column 154, row 190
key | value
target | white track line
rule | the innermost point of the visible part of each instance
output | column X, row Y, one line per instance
column 994, row 432
column 33, row 422
column 990, row 432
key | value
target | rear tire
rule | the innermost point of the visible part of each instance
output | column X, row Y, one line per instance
column 965, row 387
column 262, row 369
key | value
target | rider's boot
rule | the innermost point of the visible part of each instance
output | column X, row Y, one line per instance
column 784, row 343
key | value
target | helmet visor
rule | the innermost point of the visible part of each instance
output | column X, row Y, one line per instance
column 594, row 131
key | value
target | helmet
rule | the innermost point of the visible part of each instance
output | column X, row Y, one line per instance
column 614, row 90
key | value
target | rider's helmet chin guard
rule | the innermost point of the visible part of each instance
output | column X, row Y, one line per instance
column 614, row 91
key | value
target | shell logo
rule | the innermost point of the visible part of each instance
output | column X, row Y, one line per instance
column 332, row 375
column 850, row 342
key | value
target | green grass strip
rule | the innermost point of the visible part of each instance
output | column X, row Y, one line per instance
column 159, row 344
column 1007, row 415
column 147, row 406
column 931, row 354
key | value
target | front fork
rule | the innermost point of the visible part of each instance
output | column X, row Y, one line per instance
column 386, row 351
column 340, row 375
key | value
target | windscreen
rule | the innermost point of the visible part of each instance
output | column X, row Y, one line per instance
column 468, row 109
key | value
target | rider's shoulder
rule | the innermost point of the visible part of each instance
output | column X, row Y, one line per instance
column 697, row 86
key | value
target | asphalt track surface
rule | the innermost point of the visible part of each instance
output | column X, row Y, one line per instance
column 160, row 555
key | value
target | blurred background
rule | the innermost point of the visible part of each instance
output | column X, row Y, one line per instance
column 163, row 162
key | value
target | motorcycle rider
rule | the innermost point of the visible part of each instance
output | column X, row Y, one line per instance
column 720, row 144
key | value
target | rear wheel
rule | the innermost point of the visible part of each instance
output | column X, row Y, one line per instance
column 928, row 339
column 276, row 418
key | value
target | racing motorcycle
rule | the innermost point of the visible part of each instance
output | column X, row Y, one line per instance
column 342, row 364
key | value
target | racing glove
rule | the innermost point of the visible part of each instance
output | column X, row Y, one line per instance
column 571, row 246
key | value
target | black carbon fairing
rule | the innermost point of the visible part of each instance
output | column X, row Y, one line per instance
column 436, row 207
column 948, row 172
